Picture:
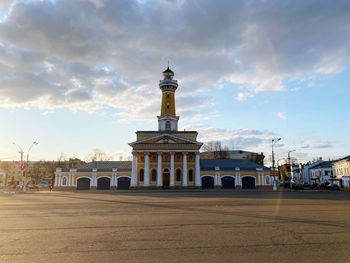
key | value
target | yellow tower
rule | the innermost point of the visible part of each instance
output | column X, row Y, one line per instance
column 167, row 121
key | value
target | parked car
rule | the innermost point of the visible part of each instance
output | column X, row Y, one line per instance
column 332, row 187
column 306, row 185
column 298, row 187
column 315, row 186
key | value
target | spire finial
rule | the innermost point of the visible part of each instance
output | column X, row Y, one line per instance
column 168, row 63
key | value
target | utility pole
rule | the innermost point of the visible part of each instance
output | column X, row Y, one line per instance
column 273, row 142
column 290, row 167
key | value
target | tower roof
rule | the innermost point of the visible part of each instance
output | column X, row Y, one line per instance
column 168, row 70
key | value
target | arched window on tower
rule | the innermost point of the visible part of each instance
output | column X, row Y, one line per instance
column 168, row 105
column 167, row 125
column 142, row 175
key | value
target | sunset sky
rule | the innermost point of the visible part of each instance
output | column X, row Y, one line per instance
column 79, row 75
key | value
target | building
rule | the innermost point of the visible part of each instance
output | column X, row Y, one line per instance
column 166, row 158
column 234, row 154
column 323, row 173
column 2, row 178
column 341, row 171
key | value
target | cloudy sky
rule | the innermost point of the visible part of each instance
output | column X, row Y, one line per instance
column 79, row 75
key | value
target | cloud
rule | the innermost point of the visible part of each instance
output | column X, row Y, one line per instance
column 281, row 115
column 315, row 144
column 234, row 138
column 92, row 54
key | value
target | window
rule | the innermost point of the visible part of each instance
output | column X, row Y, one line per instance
column 64, row 181
column 142, row 158
column 154, row 175
column 267, row 179
column 190, row 175
column 167, row 96
column 178, row 175
column 154, row 158
column 167, row 125
column 190, row 157
column 142, row 175
column 168, row 105
column 178, row 158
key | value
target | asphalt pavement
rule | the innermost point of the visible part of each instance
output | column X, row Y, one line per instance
column 175, row 226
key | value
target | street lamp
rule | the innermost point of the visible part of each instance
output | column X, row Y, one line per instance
column 290, row 167
column 273, row 142
column 34, row 143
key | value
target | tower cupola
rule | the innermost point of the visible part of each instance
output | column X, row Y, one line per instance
column 167, row 121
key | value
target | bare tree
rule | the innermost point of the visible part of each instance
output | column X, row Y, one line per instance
column 215, row 150
column 98, row 155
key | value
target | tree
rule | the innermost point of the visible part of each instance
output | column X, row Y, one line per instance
column 215, row 150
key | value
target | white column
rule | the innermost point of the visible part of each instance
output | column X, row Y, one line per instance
column 59, row 180
column 184, row 170
column 197, row 179
column 238, row 177
column 259, row 179
column 172, row 169
column 146, row 179
column 262, row 178
column 69, row 179
column 159, row 172
column 219, row 179
column 56, row 179
column 133, row 181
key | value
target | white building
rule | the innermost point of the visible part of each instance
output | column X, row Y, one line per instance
column 341, row 171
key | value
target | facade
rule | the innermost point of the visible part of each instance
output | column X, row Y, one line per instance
column 2, row 178
column 235, row 154
column 341, row 171
column 166, row 158
column 323, row 173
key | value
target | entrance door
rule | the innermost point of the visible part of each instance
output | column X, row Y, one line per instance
column 123, row 183
column 83, row 184
column 248, row 182
column 166, row 178
column 103, row 183
column 207, row 182
column 228, row 182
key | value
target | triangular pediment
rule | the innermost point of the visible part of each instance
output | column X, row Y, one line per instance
column 164, row 139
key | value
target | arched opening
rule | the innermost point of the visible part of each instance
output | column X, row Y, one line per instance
column 83, row 184
column 123, row 183
column 207, row 182
column 227, row 182
column 248, row 182
column 167, row 125
column 190, row 175
column 267, row 180
column 154, row 176
column 142, row 175
column 178, row 175
column 166, row 178
column 64, row 181
column 103, row 183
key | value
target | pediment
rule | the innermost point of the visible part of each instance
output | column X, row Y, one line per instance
column 165, row 139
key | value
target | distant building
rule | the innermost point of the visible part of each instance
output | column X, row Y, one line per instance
column 2, row 178
column 235, row 154
column 323, row 173
column 341, row 171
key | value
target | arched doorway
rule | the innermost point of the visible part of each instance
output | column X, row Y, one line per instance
column 166, row 178
column 103, row 183
column 207, row 182
column 227, row 182
column 248, row 182
column 83, row 184
column 123, row 183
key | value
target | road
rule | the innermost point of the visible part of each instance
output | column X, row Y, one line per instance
column 174, row 226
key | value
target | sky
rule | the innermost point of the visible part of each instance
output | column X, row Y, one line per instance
column 80, row 76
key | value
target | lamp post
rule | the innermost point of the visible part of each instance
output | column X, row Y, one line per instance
column 27, row 166
column 290, row 167
column 23, row 167
column 273, row 142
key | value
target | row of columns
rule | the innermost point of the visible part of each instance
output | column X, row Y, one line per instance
column 160, row 170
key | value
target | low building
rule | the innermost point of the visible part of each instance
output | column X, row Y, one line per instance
column 234, row 154
column 323, row 173
column 2, row 178
column 341, row 171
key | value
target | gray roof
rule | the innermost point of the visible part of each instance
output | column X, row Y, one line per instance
column 230, row 164
column 105, row 166
column 326, row 164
